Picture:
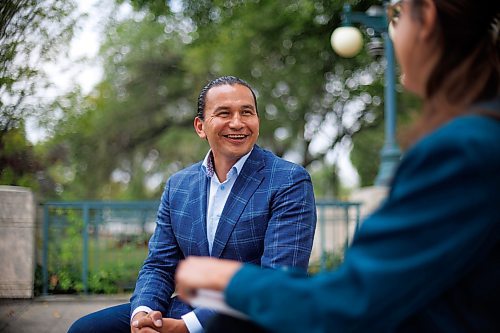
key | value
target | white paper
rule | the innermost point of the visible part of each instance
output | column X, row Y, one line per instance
column 214, row 300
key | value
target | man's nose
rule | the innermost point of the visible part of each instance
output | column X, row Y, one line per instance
column 236, row 121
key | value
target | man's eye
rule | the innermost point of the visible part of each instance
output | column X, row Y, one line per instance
column 247, row 112
column 223, row 114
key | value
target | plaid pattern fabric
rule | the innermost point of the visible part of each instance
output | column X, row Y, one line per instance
column 269, row 219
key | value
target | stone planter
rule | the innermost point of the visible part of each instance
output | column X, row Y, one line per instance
column 17, row 242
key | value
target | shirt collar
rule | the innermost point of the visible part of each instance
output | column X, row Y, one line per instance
column 209, row 168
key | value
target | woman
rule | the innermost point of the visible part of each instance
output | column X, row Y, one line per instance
column 428, row 260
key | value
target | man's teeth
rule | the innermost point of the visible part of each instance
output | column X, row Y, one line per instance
column 236, row 136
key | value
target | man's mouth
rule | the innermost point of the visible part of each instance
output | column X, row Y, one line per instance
column 236, row 136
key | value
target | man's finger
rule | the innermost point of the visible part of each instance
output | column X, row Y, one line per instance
column 145, row 330
column 143, row 322
column 156, row 317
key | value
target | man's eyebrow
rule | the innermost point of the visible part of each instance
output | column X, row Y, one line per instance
column 222, row 108
column 243, row 107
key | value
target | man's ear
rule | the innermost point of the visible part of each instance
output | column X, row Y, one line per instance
column 429, row 20
column 198, row 126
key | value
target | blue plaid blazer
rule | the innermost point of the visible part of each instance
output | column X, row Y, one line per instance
column 269, row 220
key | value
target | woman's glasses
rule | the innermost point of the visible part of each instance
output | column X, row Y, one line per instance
column 394, row 11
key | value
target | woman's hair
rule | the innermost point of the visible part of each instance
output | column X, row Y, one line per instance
column 468, row 69
column 221, row 81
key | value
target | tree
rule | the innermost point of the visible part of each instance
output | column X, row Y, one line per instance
column 31, row 32
column 136, row 127
column 137, row 124
column 17, row 159
column 307, row 94
column 367, row 144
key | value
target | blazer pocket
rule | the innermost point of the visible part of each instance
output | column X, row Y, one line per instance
column 251, row 228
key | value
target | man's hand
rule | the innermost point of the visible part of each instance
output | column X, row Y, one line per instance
column 146, row 323
column 171, row 325
column 153, row 322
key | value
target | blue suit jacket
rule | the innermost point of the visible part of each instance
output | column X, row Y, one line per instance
column 269, row 219
column 427, row 261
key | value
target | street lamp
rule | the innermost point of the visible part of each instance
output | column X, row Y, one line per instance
column 347, row 42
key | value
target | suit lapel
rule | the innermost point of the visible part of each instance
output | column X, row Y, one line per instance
column 247, row 182
column 200, row 234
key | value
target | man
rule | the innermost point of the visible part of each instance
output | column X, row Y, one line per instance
column 241, row 202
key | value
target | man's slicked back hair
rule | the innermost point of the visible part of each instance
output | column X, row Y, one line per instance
column 223, row 80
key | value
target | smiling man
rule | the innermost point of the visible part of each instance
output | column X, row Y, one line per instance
column 229, row 121
column 241, row 202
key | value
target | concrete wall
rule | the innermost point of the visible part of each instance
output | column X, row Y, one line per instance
column 17, row 242
column 370, row 198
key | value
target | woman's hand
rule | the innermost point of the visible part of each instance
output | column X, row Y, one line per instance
column 203, row 273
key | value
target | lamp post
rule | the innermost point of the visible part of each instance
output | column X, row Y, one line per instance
column 347, row 42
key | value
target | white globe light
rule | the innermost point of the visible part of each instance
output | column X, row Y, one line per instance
column 346, row 41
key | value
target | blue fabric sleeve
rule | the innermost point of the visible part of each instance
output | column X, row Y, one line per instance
column 155, row 284
column 204, row 315
column 290, row 231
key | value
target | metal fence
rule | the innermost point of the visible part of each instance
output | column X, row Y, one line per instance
column 99, row 246
column 337, row 223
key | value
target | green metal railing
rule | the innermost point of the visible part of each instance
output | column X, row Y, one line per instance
column 95, row 239
column 89, row 246
column 337, row 223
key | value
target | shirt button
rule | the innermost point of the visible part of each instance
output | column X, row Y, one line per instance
column 222, row 187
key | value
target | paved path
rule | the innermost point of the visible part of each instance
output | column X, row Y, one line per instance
column 52, row 314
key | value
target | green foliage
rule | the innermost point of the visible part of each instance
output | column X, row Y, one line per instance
column 330, row 260
column 31, row 32
column 157, row 6
column 368, row 143
column 136, row 126
column 126, row 137
column 325, row 182
column 113, row 262
column 283, row 49
column 65, row 253
column 18, row 162
column 366, row 147
column 103, row 282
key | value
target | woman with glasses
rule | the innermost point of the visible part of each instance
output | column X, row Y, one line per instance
column 428, row 260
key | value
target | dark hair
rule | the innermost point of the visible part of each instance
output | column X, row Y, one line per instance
column 223, row 80
column 468, row 69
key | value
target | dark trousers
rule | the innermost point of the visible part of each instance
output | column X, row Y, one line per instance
column 113, row 319
column 226, row 324
column 117, row 318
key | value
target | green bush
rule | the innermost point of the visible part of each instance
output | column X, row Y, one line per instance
column 331, row 260
column 113, row 261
